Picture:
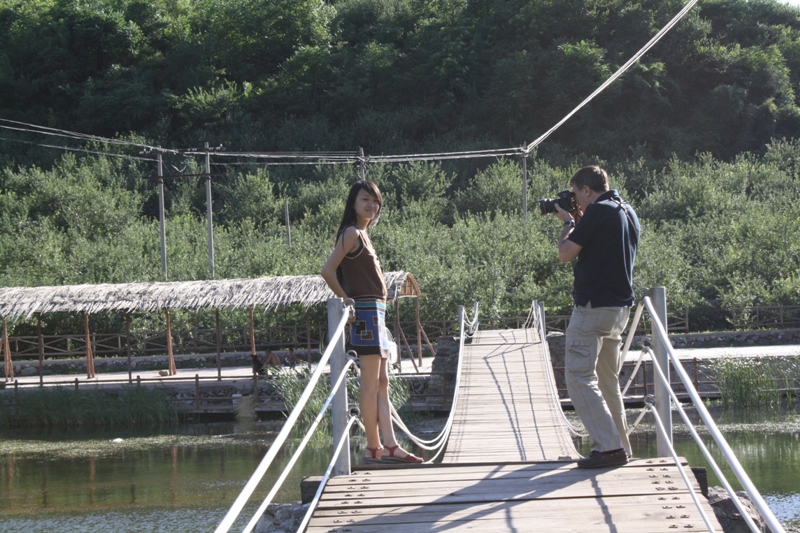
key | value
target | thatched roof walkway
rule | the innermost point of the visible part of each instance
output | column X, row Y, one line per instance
column 268, row 292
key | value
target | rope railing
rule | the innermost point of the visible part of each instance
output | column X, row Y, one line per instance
column 302, row 446
column 692, row 492
column 440, row 441
column 538, row 322
column 752, row 492
column 714, row 466
column 255, row 479
column 339, row 447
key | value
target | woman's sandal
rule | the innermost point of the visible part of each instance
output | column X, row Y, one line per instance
column 409, row 458
column 374, row 456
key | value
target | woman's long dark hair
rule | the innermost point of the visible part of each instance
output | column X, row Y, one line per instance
column 349, row 216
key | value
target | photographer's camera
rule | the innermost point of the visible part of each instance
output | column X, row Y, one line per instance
column 565, row 200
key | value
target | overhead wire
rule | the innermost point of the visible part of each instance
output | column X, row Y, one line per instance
column 333, row 157
column 617, row 74
column 83, row 150
column 44, row 130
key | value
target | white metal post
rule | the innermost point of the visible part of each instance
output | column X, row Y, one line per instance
column 658, row 297
column 339, row 409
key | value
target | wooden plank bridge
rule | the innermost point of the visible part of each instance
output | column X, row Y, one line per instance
column 509, row 466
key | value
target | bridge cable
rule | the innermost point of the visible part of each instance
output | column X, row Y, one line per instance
column 44, row 130
column 440, row 441
column 679, row 407
column 318, row 495
column 616, row 75
column 72, row 149
column 688, row 483
column 273, row 450
column 300, row 448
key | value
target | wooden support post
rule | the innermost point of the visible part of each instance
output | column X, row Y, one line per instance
column 9, row 366
column 255, row 391
column 41, row 347
column 252, row 331
column 219, row 345
column 419, row 332
column 253, row 354
column 128, row 345
column 170, row 356
column 89, row 355
column 410, row 353
column 428, row 342
column 397, row 333
column 197, row 391
column 308, row 333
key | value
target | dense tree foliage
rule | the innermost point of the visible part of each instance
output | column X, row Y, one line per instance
column 392, row 75
column 716, row 234
column 699, row 134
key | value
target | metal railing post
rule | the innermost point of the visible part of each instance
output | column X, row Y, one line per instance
column 658, row 297
column 339, row 407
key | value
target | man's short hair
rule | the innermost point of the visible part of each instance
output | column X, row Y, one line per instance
column 593, row 177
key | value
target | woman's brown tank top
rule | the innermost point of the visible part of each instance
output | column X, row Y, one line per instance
column 361, row 274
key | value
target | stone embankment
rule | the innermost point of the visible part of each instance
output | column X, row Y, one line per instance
column 30, row 367
column 698, row 353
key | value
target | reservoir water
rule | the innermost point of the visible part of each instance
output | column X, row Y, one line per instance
column 184, row 478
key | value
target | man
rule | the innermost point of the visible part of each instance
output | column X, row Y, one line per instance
column 604, row 239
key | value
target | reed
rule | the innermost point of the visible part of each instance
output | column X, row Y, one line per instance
column 66, row 407
column 751, row 382
column 291, row 384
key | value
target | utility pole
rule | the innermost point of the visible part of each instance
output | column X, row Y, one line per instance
column 162, row 224
column 209, row 215
column 288, row 225
column 362, row 163
column 525, row 186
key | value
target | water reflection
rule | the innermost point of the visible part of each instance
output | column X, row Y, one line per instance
column 184, row 478
column 193, row 482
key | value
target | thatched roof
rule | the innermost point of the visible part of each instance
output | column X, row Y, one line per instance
column 268, row 292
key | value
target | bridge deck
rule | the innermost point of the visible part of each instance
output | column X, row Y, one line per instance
column 505, row 394
column 509, row 466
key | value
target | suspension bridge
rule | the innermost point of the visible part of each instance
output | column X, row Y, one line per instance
column 505, row 460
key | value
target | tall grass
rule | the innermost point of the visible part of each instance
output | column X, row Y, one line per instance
column 751, row 382
column 291, row 384
column 66, row 407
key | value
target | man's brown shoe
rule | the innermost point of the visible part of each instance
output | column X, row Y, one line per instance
column 602, row 459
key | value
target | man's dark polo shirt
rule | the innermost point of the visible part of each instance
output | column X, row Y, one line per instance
column 604, row 270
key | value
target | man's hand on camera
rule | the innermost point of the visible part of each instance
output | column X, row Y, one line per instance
column 562, row 215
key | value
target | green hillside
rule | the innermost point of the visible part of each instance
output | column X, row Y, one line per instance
column 700, row 135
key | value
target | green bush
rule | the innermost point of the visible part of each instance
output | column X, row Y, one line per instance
column 65, row 407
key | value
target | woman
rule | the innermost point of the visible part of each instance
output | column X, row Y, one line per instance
column 353, row 271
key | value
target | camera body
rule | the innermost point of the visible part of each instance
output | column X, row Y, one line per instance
column 565, row 200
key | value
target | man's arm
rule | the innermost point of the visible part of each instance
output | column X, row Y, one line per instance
column 567, row 249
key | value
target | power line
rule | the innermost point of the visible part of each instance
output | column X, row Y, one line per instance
column 332, row 157
column 71, row 149
column 44, row 130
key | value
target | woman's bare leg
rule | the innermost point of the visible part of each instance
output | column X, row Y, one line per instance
column 370, row 384
column 385, row 412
